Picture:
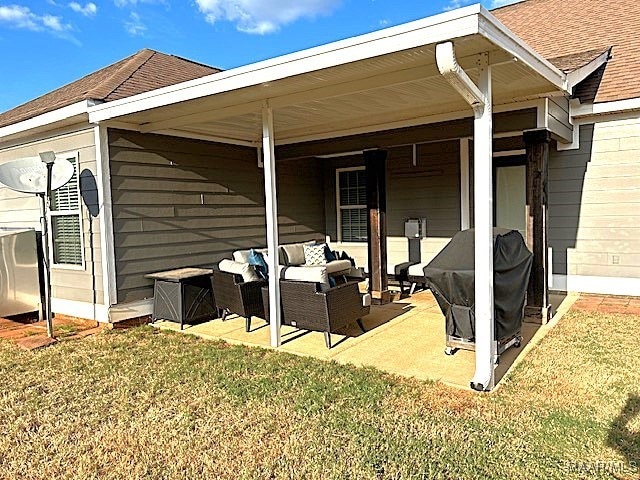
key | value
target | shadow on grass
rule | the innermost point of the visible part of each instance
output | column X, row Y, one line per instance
column 621, row 437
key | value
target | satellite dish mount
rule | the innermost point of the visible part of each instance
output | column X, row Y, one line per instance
column 41, row 177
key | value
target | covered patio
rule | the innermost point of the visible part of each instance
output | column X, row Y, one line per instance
column 446, row 75
column 405, row 337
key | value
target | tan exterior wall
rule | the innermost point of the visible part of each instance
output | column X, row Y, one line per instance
column 75, row 284
column 179, row 202
column 594, row 203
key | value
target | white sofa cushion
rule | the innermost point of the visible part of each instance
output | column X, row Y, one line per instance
column 366, row 300
column 241, row 256
column 342, row 266
column 239, row 268
column 417, row 270
column 317, row 274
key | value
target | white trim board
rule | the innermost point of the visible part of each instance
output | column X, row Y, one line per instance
column 100, row 313
column 596, row 284
column 603, row 108
column 48, row 118
column 84, row 310
column 125, row 311
column 103, row 173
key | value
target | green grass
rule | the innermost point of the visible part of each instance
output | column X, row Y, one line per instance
column 144, row 404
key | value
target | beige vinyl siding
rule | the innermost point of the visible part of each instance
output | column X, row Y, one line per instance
column 17, row 210
column 594, row 202
column 180, row 202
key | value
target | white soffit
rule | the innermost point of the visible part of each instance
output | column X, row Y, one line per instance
column 382, row 77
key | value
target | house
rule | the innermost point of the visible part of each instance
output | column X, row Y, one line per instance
column 525, row 117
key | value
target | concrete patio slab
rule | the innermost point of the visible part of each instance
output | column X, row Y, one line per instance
column 405, row 337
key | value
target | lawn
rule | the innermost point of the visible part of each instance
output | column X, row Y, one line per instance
column 149, row 404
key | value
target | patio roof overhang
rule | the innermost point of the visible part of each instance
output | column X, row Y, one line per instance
column 361, row 84
column 388, row 78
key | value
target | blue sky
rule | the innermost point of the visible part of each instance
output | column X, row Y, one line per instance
column 48, row 43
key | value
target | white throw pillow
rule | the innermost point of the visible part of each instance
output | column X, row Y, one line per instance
column 239, row 268
column 314, row 255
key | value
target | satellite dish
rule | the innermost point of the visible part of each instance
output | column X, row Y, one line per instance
column 29, row 175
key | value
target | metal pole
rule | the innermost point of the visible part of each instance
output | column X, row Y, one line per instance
column 46, row 208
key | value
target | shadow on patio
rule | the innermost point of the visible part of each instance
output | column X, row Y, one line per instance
column 406, row 337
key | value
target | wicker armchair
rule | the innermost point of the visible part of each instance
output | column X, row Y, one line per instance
column 304, row 306
column 233, row 295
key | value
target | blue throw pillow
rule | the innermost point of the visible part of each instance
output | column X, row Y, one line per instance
column 328, row 254
column 257, row 260
column 332, row 282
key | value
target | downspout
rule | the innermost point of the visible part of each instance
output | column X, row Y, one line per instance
column 479, row 98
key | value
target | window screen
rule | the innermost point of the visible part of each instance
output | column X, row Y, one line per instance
column 66, row 221
column 352, row 205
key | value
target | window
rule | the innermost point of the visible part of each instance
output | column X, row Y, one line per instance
column 66, row 220
column 352, row 204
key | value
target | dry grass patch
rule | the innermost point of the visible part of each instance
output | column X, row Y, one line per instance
column 145, row 404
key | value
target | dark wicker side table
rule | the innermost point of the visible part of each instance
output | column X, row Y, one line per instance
column 183, row 295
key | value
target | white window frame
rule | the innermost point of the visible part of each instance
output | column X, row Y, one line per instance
column 78, row 211
column 339, row 208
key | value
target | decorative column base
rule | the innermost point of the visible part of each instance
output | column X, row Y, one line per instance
column 380, row 297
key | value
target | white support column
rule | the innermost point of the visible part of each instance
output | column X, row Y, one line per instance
column 103, row 174
column 485, row 344
column 271, row 205
column 465, row 213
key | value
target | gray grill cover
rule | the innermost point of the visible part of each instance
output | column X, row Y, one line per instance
column 450, row 276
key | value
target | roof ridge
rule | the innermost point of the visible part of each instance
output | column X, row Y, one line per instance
column 122, row 74
column 194, row 62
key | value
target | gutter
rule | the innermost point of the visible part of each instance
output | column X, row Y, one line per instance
column 78, row 109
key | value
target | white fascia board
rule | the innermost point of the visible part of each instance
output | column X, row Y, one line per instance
column 438, row 28
column 64, row 113
column 579, row 74
column 592, row 109
column 498, row 33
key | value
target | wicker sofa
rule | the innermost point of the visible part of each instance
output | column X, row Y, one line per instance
column 309, row 302
column 237, row 283
column 293, row 255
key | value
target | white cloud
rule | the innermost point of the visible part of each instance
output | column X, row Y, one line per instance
column 18, row 16
column 134, row 26
column 134, row 3
column 89, row 10
column 54, row 23
column 502, row 3
column 262, row 16
column 453, row 4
